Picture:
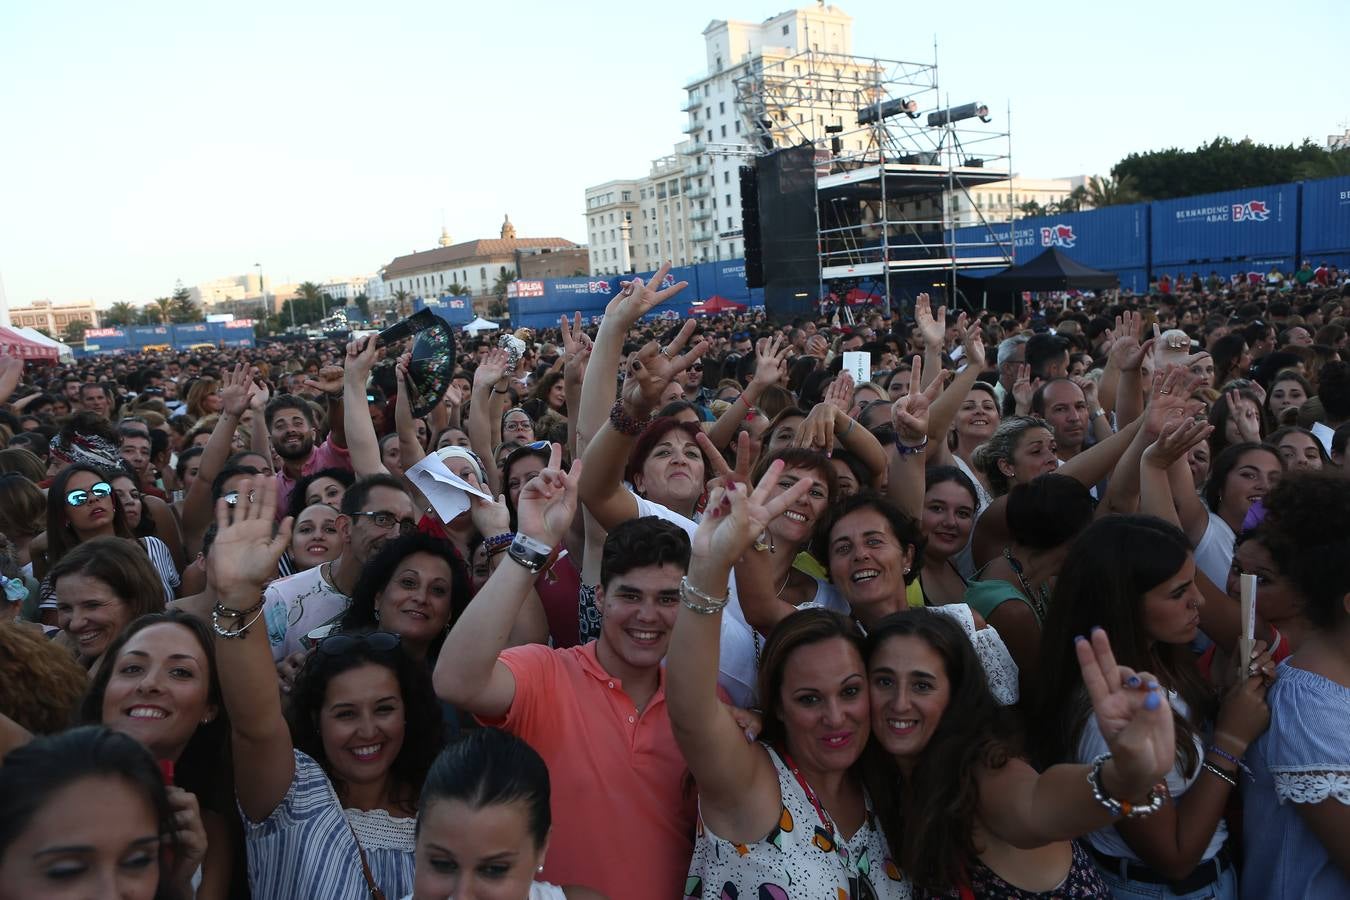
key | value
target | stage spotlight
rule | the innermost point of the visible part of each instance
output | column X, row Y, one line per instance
column 833, row 129
column 910, row 107
column 875, row 112
column 958, row 113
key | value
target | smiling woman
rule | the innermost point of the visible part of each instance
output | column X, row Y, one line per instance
column 100, row 586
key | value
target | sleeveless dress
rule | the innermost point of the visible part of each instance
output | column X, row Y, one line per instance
column 803, row 858
column 1083, row 881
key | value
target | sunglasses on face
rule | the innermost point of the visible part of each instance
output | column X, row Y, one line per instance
column 342, row 644
column 95, row 492
column 389, row 520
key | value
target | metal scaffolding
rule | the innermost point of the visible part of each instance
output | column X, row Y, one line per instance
column 891, row 159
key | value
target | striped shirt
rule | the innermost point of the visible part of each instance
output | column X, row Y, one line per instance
column 306, row 849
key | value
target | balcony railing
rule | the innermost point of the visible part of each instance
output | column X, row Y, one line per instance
column 697, row 193
column 699, row 215
column 695, row 148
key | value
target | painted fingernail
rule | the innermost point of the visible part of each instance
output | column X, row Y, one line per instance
column 1152, row 701
column 1078, row 639
column 1153, row 685
column 1132, row 681
column 1096, row 629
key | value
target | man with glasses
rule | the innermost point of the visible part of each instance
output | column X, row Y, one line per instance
column 374, row 509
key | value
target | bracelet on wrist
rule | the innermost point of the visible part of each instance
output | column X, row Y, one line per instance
column 908, row 450
column 1236, row 761
column 224, row 610
column 1219, row 773
column 1115, row 807
column 625, row 424
column 529, row 553
column 498, row 541
column 698, row 601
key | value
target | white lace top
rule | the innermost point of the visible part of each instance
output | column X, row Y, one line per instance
column 1304, row 757
column 999, row 668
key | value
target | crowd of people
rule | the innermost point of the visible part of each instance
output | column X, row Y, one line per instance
column 735, row 624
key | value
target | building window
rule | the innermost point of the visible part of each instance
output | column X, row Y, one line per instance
column 728, row 221
column 728, row 200
column 710, row 135
column 722, row 107
column 785, row 29
column 724, row 131
column 482, row 274
column 736, row 126
column 726, row 177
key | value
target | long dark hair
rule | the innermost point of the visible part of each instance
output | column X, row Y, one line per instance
column 360, row 615
column 490, row 767
column 1109, row 569
column 31, row 774
column 203, row 768
column 1223, row 465
column 60, row 537
column 929, row 816
column 422, row 713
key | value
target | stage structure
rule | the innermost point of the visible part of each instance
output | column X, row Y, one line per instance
column 861, row 166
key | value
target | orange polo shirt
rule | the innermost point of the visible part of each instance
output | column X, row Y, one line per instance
column 623, row 800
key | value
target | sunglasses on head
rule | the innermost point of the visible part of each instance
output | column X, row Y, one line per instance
column 95, row 492
column 342, row 644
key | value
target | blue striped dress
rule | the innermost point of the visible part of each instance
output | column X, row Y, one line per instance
column 305, row 849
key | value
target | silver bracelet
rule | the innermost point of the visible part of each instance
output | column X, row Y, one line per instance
column 699, row 602
column 1115, row 807
column 1220, row 773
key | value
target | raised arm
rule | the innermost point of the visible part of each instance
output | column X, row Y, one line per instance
column 330, row 383
column 362, row 443
column 260, row 436
column 945, row 405
column 651, row 370
column 738, row 789
column 770, row 365
column 489, row 381
column 243, row 558
column 234, row 395
column 911, row 416
column 1029, row 810
column 1168, row 452
column 575, row 358
column 468, row 672
column 933, row 328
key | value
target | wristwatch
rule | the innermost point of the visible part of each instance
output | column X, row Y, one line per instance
column 531, row 554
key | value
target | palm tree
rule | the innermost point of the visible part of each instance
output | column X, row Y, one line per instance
column 1102, row 190
column 163, row 306
column 1072, row 202
column 458, row 290
column 403, row 302
column 120, row 313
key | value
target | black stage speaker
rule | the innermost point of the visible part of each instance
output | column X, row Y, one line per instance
column 754, row 261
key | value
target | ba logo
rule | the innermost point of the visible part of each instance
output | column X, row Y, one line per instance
column 1251, row 211
column 598, row 287
column 1058, row 236
column 668, row 280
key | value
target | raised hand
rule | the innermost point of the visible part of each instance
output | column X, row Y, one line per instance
column 454, row 394
column 328, row 381
column 840, row 392
column 972, row 340
column 817, row 431
column 258, row 395
column 361, row 356
column 635, row 299
column 1089, row 389
column 770, row 360
column 234, row 391
column 1178, row 436
column 724, row 474
column 490, row 517
column 1244, row 415
column 817, row 346
column 735, row 516
column 245, row 552
column 652, row 369
column 548, row 502
column 1132, row 713
column 932, row 324
column 492, row 369
column 909, row 414
column 1023, row 388
column 1171, row 390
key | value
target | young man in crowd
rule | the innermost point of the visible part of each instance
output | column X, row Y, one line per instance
column 374, row 509
column 290, row 422
column 95, row 398
column 623, row 804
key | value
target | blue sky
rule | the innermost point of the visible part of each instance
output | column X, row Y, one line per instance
column 146, row 142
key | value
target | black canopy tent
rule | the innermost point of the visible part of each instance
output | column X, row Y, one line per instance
column 1002, row 291
column 1051, row 271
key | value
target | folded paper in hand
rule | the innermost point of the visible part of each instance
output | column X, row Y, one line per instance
column 446, row 491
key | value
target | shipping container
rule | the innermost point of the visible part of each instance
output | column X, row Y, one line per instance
column 1112, row 238
column 1326, row 216
column 1246, row 224
column 1133, row 280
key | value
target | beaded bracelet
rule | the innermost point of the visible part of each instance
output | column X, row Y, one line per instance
column 226, row 611
column 1119, row 807
column 499, row 541
column 624, row 423
column 1219, row 751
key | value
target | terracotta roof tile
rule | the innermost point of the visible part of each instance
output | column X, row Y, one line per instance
column 469, row 250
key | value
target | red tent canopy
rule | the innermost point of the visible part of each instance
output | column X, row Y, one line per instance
column 715, row 305
column 14, row 344
column 860, row 297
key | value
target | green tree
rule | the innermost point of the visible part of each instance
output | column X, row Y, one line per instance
column 181, row 308
column 121, row 313
column 498, row 308
column 157, row 313
column 403, row 302
column 74, row 332
column 1102, row 190
column 458, row 290
column 1031, row 208
column 363, row 303
column 1221, row 165
column 1330, row 164
column 311, row 292
column 1072, row 202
